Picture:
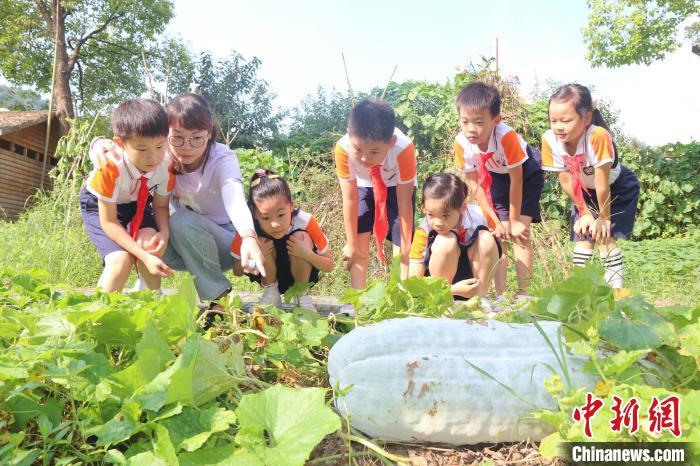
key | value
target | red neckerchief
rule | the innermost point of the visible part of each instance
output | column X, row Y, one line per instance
column 141, row 200
column 381, row 223
column 483, row 174
column 573, row 163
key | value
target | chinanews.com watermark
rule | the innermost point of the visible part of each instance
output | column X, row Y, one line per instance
column 661, row 415
column 615, row 453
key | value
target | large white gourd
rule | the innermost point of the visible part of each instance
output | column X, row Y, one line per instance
column 411, row 379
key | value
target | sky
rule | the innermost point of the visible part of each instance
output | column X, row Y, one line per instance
column 300, row 44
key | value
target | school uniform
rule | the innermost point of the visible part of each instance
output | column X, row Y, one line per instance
column 120, row 183
column 398, row 168
column 595, row 149
column 301, row 221
column 467, row 232
column 506, row 150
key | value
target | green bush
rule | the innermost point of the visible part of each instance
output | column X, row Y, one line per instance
column 669, row 202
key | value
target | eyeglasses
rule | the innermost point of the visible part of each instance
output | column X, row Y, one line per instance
column 194, row 141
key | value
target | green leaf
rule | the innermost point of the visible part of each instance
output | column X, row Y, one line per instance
column 226, row 455
column 198, row 375
column 550, row 445
column 689, row 339
column 146, row 458
column 152, row 356
column 296, row 420
column 619, row 362
column 25, row 407
column 176, row 316
column 163, row 448
column 192, row 428
column 122, row 426
column 114, row 456
column 637, row 328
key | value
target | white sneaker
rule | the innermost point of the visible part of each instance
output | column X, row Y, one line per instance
column 139, row 285
column 271, row 295
column 306, row 302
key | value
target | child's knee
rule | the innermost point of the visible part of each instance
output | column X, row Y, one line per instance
column 302, row 235
column 445, row 244
column 118, row 262
column 237, row 268
column 487, row 244
column 144, row 236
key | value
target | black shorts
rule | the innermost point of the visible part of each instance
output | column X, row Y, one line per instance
column 284, row 267
column 533, row 183
column 624, row 193
column 125, row 213
column 464, row 267
column 365, row 213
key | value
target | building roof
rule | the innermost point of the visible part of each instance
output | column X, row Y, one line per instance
column 13, row 121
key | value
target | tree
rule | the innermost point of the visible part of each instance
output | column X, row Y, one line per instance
column 319, row 120
column 623, row 32
column 99, row 47
column 13, row 98
column 239, row 97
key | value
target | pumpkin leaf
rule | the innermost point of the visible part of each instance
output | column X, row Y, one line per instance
column 283, row 425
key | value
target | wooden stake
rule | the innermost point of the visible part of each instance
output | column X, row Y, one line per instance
column 53, row 82
column 388, row 82
column 148, row 75
column 496, row 54
column 347, row 78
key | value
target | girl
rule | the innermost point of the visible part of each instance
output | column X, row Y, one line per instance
column 293, row 244
column 453, row 241
column 504, row 173
column 604, row 192
column 208, row 199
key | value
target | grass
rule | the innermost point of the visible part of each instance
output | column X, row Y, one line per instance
column 50, row 236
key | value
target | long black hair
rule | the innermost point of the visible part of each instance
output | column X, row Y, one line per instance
column 265, row 184
column 448, row 187
column 583, row 103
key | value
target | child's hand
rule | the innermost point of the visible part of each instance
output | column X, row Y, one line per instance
column 500, row 232
column 156, row 245
column 600, row 230
column 156, row 266
column 103, row 150
column 519, row 231
column 583, row 225
column 297, row 247
column 348, row 255
column 266, row 246
column 466, row 288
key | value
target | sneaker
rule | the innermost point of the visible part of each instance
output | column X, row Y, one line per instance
column 139, row 285
column 271, row 295
column 306, row 302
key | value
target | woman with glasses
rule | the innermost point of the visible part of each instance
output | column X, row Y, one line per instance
column 208, row 200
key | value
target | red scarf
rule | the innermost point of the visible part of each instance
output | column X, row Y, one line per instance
column 573, row 163
column 141, row 200
column 381, row 223
column 484, row 175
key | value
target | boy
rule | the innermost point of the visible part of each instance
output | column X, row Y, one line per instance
column 118, row 195
column 376, row 165
column 505, row 174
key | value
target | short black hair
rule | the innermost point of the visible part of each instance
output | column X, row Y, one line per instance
column 139, row 117
column 372, row 120
column 478, row 95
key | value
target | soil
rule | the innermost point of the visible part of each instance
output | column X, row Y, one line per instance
column 334, row 451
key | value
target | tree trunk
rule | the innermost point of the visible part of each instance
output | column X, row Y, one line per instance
column 62, row 97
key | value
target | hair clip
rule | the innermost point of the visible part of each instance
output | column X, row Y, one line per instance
column 260, row 172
